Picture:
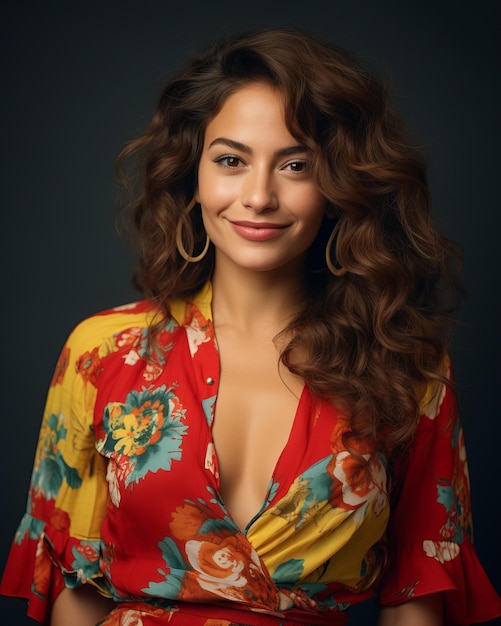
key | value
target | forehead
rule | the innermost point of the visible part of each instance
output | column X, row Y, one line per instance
column 251, row 111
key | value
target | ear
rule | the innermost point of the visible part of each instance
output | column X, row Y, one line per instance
column 196, row 195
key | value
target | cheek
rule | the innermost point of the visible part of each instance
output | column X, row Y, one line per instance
column 215, row 194
column 314, row 207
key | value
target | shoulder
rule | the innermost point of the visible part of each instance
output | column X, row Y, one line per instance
column 102, row 330
column 124, row 328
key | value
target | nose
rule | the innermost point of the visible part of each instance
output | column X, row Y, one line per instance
column 259, row 191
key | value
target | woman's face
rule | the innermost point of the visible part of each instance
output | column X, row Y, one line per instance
column 260, row 205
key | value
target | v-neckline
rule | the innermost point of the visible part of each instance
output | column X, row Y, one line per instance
column 282, row 458
column 203, row 302
column 279, row 462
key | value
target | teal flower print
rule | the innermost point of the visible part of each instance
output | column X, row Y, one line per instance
column 147, row 430
column 50, row 467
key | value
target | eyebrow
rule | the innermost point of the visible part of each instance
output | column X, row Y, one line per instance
column 241, row 147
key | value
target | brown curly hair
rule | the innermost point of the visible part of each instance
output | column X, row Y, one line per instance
column 375, row 337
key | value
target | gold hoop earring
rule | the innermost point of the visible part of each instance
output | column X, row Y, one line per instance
column 179, row 239
column 337, row 271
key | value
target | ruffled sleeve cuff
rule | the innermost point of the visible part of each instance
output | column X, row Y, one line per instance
column 447, row 567
column 43, row 561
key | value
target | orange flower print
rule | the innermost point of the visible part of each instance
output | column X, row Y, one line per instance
column 215, row 563
column 152, row 371
column 60, row 520
column 43, row 570
column 198, row 329
column 117, row 474
column 136, row 339
column 61, row 367
column 88, row 366
column 357, row 485
column 130, row 337
column 361, row 446
column 187, row 520
column 229, row 567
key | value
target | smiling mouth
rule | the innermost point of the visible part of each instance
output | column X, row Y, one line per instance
column 259, row 225
column 258, row 231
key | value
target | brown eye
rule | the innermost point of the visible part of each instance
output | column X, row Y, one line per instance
column 297, row 166
column 231, row 162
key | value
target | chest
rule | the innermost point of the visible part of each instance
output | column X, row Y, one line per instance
column 218, row 419
column 253, row 418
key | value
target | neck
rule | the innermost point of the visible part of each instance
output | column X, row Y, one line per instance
column 255, row 302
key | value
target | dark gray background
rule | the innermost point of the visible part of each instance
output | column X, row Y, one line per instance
column 80, row 79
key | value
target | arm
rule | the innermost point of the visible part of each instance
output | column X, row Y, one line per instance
column 80, row 607
column 425, row 611
column 430, row 530
column 58, row 540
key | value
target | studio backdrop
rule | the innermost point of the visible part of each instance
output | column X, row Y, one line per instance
column 79, row 80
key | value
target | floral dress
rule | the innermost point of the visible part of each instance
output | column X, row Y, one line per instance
column 125, row 496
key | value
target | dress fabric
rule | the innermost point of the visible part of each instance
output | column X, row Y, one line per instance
column 125, row 496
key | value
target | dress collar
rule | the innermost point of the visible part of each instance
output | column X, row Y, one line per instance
column 202, row 300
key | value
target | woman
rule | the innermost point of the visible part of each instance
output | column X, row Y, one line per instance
column 271, row 436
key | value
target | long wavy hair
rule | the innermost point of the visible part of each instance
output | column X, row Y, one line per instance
column 376, row 336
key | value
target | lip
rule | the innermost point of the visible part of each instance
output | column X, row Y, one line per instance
column 258, row 231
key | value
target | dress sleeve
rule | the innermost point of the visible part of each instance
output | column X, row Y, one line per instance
column 430, row 536
column 58, row 541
